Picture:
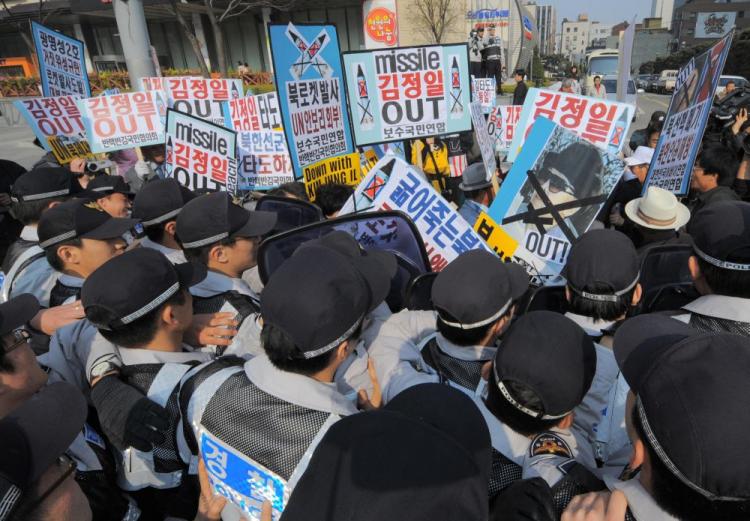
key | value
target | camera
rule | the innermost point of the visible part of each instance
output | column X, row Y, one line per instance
column 97, row 167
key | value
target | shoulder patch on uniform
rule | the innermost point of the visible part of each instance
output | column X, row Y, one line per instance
column 550, row 443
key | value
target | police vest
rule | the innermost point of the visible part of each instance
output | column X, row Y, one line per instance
column 61, row 293
column 224, row 412
column 243, row 304
column 493, row 51
column 719, row 325
column 162, row 467
column 20, row 255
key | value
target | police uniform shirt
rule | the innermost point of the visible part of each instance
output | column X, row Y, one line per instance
column 73, row 352
column 718, row 313
column 28, row 272
column 641, row 506
column 175, row 256
column 549, row 452
column 67, row 289
column 476, row 45
column 493, row 46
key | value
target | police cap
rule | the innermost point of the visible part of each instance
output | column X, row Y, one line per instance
column 721, row 235
column 44, row 183
column 16, row 312
column 78, row 219
column 104, row 185
column 160, row 201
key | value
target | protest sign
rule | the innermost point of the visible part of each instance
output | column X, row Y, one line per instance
column 66, row 148
column 200, row 154
column 552, row 194
column 604, row 123
column 259, row 112
column 122, row 121
column 501, row 126
column 307, row 70
column 53, row 116
column 456, row 154
column 263, row 160
column 484, row 91
column 245, row 483
column 393, row 184
column 409, row 92
column 62, row 64
column 209, row 110
column 341, row 169
column 686, row 120
column 189, row 88
column 484, row 141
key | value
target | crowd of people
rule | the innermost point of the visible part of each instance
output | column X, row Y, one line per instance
column 141, row 348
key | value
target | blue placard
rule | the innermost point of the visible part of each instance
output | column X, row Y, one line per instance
column 310, row 87
column 408, row 92
column 242, row 481
column 62, row 65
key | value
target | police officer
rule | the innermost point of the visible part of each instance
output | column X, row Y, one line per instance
column 112, row 194
column 25, row 267
column 145, row 315
column 157, row 206
column 493, row 56
column 476, row 45
column 273, row 409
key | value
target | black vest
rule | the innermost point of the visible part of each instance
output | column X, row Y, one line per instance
column 14, row 252
column 244, row 304
column 719, row 325
column 466, row 373
column 60, row 293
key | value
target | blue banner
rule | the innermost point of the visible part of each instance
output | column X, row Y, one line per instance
column 310, row 86
column 62, row 65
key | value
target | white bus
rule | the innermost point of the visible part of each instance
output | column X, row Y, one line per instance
column 602, row 62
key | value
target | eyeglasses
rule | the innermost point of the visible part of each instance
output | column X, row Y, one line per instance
column 17, row 338
column 67, row 466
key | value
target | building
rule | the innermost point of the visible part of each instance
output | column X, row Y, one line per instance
column 701, row 21
column 598, row 33
column 663, row 9
column 546, row 22
column 648, row 45
column 575, row 38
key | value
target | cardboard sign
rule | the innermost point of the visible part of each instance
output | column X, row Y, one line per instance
column 484, row 141
column 188, row 88
column 123, row 121
column 54, row 116
column 409, row 92
column 264, row 161
column 393, row 184
column 501, row 125
column 342, row 169
column 209, row 110
column 66, row 149
column 604, row 123
column 380, row 23
column 552, row 194
column 484, row 91
column 686, row 120
column 200, row 154
column 500, row 242
column 244, row 482
column 259, row 112
column 62, row 63
column 309, row 82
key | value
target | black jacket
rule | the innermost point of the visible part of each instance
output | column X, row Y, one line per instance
column 720, row 193
column 519, row 94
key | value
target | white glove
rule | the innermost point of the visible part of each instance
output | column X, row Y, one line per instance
column 142, row 169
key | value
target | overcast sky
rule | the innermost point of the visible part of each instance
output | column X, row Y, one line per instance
column 605, row 11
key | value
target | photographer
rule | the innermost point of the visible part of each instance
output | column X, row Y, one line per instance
column 476, row 44
column 737, row 139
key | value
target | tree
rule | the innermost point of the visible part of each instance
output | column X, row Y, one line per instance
column 22, row 26
column 537, row 67
column 434, row 16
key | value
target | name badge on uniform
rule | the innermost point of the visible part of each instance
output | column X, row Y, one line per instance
column 244, row 482
column 91, row 436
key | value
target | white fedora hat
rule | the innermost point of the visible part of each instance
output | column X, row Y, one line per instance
column 658, row 210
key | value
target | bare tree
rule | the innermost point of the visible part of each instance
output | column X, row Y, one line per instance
column 189, row 31
column 434, row 17
column 22, row 26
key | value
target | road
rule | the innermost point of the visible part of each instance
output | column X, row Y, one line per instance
column 16, row 143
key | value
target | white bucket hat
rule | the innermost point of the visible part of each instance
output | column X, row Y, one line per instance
column 658, row 210
column 641, row 156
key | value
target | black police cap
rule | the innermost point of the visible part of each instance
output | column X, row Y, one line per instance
column 44, row 183
column 151, row 280
column 550, row 354
column 104, row 185
column 602, row 258
column 16, row 312
column 476, row 289
column 160, row 201
column 692, row 399
column 211, row 218
column 721, row 235
column 318, row 298
column 79, row 219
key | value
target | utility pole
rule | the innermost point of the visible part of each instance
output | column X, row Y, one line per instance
column 136, row 46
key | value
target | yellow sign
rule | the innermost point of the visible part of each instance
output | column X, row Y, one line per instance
column 340, row 169
column 370, row 159
column 66, row 149
column 495, row 237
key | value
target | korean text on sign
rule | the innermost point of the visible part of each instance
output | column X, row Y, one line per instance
column 263, row 160
column 603, row 123
column 123, row 120
column 61, row 63
column 200, row 154
column 483, row 139
column 244, row 482
column 260, row 112
column 54, row 116
column 219, row 89
column 501, row 125
column 484, row 91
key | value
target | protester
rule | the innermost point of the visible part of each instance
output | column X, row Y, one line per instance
column 573, row 75
column 568, row 86
column 599, row 91
column 332, row 197
column 478, row 192
column 292, row 189
column 476, row 46
column 519, row 93
column 10, row 227
column 629, row 187
column 157, row 206
column 640, row 137
column 714, row 172
column 111, row 194
column 492, row 54
column 25, row 266
column 656, row 220
column 149, row 168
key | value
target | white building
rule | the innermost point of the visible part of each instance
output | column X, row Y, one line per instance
column 664, row 9
column 599, row 32
column 574, row 38
column 546, row 22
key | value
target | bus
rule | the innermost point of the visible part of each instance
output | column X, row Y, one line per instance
column 602, row 62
